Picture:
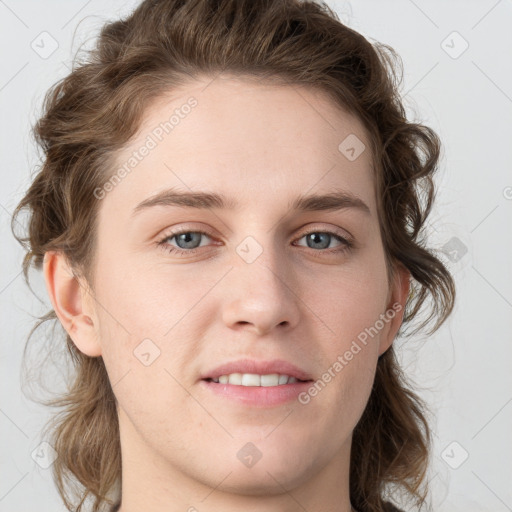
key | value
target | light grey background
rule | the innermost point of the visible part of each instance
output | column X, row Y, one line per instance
column 463, row 371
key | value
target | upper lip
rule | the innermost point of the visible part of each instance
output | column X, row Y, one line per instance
column 279, row 366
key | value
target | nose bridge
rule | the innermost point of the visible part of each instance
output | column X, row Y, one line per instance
column 262, row 267
column 262, row 260
column 261, row 293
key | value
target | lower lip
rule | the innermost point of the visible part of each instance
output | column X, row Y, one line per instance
column 259, row 396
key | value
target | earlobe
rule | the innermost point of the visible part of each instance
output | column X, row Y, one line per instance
column 395, row 310
column 67, row 297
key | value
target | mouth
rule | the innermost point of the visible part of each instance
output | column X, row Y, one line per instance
column 252, row 372
column 255, row 380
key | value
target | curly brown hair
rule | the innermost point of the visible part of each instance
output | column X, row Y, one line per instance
column 97, row 108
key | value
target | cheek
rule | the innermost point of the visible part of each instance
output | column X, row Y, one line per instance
column 350, row 300
column 140, row 316
column 352, row 311
column 143, row 302
column 342, row 390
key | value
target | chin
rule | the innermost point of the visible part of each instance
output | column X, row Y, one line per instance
column 267, row 481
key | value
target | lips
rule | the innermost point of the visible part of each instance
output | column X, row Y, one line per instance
column 279, row 366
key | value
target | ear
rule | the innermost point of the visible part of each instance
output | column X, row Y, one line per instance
column 72, row 302
column 397, row 297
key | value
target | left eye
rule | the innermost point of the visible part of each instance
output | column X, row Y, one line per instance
column 188, row 241
column 187, row 238
column 323, row 238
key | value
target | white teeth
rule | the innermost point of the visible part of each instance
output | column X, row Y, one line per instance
column 283, row 379
column 253, row 379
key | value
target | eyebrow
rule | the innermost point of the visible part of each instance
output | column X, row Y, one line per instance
column 332, row 201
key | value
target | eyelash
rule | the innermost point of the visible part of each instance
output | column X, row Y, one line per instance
column 162, row 243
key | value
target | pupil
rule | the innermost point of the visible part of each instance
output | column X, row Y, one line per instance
column 316, row 238
column 186, row 237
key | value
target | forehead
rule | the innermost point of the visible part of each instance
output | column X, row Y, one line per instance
column 251, row 141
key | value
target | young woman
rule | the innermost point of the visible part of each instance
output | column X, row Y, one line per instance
column 229, row 220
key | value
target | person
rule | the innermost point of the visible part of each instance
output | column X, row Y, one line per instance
column 229, row 219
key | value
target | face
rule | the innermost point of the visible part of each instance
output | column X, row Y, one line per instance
column 254, row 279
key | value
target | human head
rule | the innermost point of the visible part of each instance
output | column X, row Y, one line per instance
column 94, row 113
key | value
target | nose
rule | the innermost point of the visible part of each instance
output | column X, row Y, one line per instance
column 263, row 294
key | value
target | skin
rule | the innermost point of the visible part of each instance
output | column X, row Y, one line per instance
column 262, row 145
